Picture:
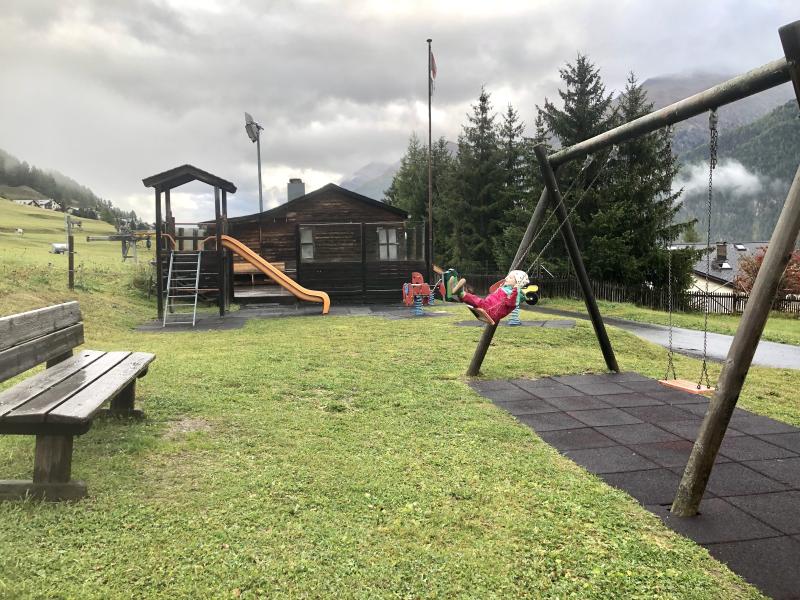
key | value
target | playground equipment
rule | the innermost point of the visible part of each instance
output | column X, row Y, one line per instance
column 128, row 239
column 419, row 293
column 740, row 355
column 186, row 270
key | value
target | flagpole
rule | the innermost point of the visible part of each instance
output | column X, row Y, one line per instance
column 430, row 168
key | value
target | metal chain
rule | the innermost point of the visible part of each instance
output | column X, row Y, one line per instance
column 611, row 156
column 587, row 161
column 671, row 352
column 712, row 163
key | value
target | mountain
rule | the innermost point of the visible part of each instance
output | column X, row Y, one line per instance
column 19, row 180
column 373, row 179
column 667, row 89
column 756, row 165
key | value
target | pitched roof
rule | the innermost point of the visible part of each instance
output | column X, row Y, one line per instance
column 735, row 250
column 330, row 187
column 184, row 174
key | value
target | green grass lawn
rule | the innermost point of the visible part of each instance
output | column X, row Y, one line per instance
column 340, row 456
column 780, row 327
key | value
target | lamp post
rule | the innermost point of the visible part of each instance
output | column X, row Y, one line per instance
column 254, row 133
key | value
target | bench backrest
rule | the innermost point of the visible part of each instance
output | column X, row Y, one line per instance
column 33, row 337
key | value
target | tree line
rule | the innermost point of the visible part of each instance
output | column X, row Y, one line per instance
column 623, row 206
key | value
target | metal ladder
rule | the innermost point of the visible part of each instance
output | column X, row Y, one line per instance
column 183, row 283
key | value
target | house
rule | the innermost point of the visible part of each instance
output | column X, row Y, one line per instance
column 45, row 203
column 338, row 241
column 724, row 265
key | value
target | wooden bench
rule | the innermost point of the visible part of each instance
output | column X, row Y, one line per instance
column 60, row 402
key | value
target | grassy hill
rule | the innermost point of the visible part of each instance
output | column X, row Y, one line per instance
column 30, row 276
column 20, row 192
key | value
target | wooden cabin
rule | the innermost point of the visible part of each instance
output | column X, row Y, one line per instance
column 337, row 241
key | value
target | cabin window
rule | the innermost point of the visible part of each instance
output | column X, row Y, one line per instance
column 306, row 243
column 387, row 243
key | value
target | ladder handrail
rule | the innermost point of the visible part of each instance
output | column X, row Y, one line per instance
column 196, row 286
column 166, row 291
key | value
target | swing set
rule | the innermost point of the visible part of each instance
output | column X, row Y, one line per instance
column 740, row 356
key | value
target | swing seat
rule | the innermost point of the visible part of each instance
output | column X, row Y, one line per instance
column 685, row 385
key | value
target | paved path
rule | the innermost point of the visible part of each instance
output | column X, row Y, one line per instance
column 636, row 435
column 690, row 341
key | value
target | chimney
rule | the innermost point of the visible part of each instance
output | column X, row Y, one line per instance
column 296, row 189
column 722, row 252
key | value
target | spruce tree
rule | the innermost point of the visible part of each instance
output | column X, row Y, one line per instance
column 478, row 190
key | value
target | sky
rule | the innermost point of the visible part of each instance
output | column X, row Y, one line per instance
column 111, row 91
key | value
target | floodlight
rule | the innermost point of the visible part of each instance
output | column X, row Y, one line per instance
column 251, row 127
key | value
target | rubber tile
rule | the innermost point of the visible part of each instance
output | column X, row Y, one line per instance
column 699, row 409
column 790, row 441
column 649, row 385
column 770, row 565
column 640, row 433
column 717, row 521
column 550, row 421
column 688, row 429
column 669, row 454
column 557, row 391
column 632, row 399
column 780, row 510
column 745, row 447
column 655, row 486
column 512, row 394
column 657, row 414
column 600, row 389
column 576, row 439
column 489, row 385
column 625, row 376
column 603, row 417
column 531, row 406
column 734, row 479
column 758, row 425
column 613, row 459
column 678, row 397
column 577, row 403
column 533, row 384
column 785, row 470
column 582, row 379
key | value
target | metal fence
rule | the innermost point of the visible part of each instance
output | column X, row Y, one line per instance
column 655, row 298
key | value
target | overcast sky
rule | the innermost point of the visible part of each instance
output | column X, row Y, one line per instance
column 111, row 91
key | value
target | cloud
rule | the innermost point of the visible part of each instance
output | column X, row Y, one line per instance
column 730, row 176
column 111, row 91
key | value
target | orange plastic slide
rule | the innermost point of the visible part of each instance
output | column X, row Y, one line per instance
column 277, row 275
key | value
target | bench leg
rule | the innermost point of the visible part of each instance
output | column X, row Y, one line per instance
column 52, row 469
column 122, row 405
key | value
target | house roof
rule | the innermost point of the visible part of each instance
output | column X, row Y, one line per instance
column 184, row 174
column 720, row 273
column 330, row 187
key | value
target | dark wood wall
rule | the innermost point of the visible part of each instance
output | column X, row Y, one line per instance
column 346, row 263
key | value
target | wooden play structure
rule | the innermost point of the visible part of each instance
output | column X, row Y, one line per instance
column 194, row 261
column 740, row 356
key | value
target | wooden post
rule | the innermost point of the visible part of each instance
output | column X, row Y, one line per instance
column 159, row 257
column 364, row 261
column 575, row 257
column 123, row 403
column 228, row 256
column 221, row 272
column 298, row 252
column 488, row 331
column 740, row 356
column 71, row 261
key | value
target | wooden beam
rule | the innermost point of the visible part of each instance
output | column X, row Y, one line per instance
column 26, row 326
column 22, row 357
column 159, row 257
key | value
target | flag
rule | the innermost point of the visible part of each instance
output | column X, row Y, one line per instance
column 432, row 73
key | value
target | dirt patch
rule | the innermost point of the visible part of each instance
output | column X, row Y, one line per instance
column 181, row 427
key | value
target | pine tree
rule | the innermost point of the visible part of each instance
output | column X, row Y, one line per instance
column 478, row 190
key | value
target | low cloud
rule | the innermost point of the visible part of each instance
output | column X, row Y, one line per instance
column 730, row 176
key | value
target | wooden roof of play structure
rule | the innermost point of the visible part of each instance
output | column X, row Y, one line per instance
column 184, row 174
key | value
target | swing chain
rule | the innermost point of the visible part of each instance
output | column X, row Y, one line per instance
column 712, row 161
column 671, row 352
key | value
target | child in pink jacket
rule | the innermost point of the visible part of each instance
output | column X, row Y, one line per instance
column 497, row 304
